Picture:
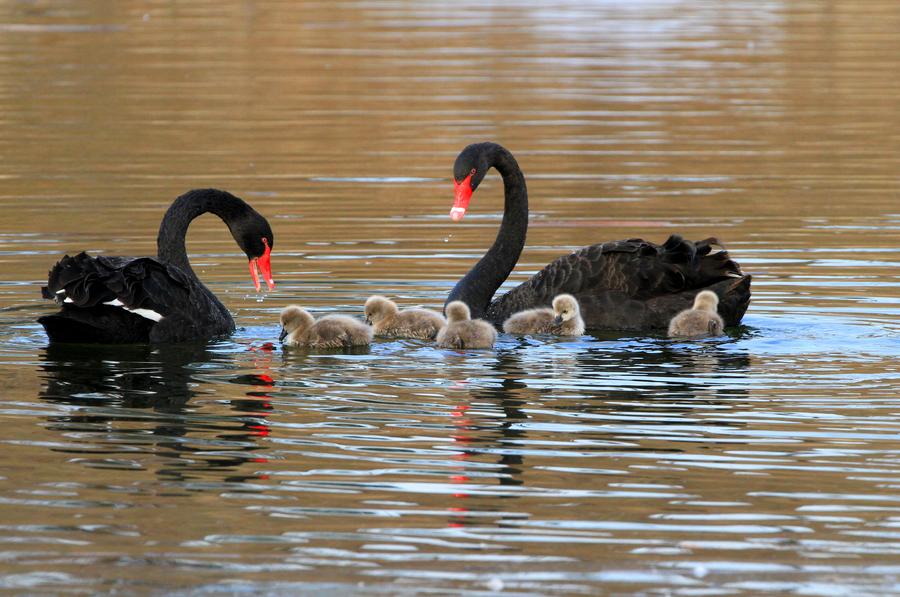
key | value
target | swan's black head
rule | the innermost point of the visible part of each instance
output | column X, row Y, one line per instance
column 250, row 230
column 254, row 235
column 471, row 165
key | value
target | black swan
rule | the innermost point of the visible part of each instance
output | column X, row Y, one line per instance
column 631, row 285
column 118, row 300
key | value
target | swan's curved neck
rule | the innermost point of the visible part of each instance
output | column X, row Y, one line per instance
column 478, row 286
column 170, row 246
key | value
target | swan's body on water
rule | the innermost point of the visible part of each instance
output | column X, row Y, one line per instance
column 116, row 300
column 621, row 285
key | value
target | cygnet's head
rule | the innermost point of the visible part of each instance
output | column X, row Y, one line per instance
column 457, row 311
column 565, row 306
column 379, row 307
column 707, row 300
column 294, row 318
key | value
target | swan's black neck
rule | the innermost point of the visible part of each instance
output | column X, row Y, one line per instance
column 478, row 286
column 173, row 228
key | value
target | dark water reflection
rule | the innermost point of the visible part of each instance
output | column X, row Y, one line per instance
column 457, row 469
column 763, row 462
column 113, row 386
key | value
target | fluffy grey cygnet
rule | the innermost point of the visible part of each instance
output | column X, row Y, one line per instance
column 701, row 321
column 564, row 319
column 463, row 332
column 390, row 322
column 298, row 328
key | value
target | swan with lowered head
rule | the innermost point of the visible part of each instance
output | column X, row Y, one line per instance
column 621, row 285
column 564, row 319
column 701, row 321
column 463, row 332
column 388, row 321
column 298, row 328
column 119, row 300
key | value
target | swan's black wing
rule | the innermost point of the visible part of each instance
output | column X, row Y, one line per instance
column 125, row 300
column 633, row 284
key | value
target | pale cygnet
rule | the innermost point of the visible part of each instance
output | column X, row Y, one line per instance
column 701, row 321
column 564, row 319
column 388, row 321
column 298, row 328
column 463, row 332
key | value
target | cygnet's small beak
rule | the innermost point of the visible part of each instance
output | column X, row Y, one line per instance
column 557, row 320
column 368, row 321
column 282, row 335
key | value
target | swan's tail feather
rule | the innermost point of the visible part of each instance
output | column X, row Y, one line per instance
column 711, row 265
column 678, row 250
column 716, row 265
column 80, row 280
column 734, row 300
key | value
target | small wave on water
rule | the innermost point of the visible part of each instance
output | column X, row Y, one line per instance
column 764, row 461
column 408, row 465
column 520, row 457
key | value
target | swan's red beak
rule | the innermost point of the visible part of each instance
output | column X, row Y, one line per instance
column 463, row 196
column 265, row 265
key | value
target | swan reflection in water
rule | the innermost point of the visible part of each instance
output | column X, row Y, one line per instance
column 583, row 383
column 114, row 387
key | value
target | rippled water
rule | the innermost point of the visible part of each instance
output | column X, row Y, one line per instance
column 764, row 462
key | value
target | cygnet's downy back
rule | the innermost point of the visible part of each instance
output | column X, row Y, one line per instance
column 564, row 319
column 332, row 331
column 462, row 332
column 701, row 321
column 389, row 322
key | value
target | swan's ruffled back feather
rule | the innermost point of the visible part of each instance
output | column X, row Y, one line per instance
column 89, row 288
column 633, row 284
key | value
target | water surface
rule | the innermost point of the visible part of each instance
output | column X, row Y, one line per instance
column 763, row 462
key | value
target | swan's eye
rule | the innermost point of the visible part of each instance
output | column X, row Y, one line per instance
column 472, row 172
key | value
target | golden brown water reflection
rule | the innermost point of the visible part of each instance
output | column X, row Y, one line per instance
column 764, row 462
